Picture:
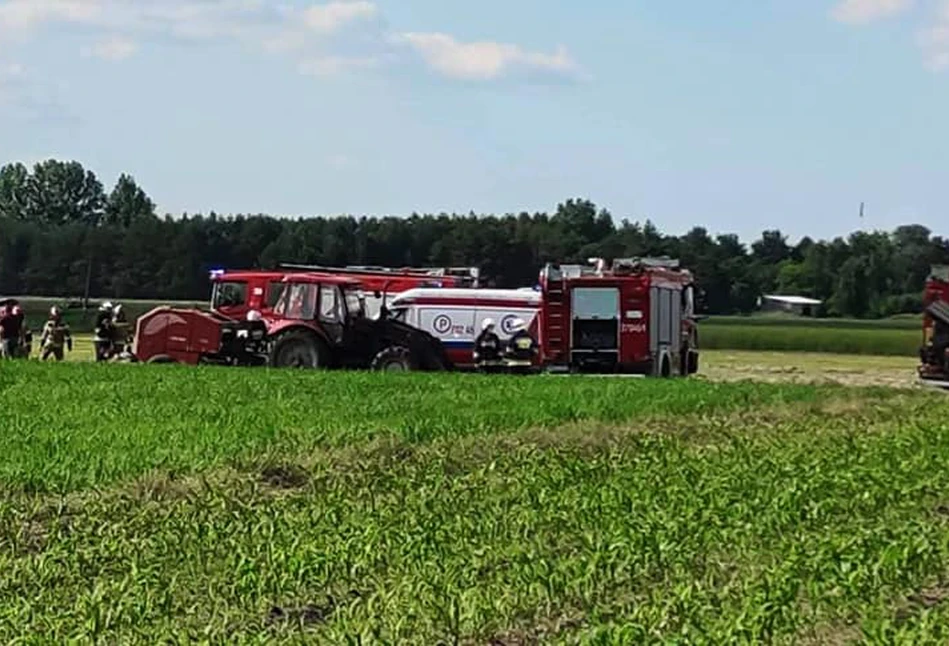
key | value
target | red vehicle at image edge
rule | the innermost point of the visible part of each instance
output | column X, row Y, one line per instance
column 635, row 316
column 933, row 368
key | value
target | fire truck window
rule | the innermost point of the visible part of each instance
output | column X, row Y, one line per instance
column 355, row 303
column 274, row 290
column 329, row 305
column 229, row 294
column 299, row 301
column 595, row 302
column 399, row 314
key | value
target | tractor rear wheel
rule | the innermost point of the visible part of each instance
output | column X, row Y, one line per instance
column 396, row 358
column 299, row 350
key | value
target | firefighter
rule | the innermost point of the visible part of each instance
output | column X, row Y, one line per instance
column 25, row 338
column 121, row 328
column 104, row 332
column 55, row 336
column 487, row 347
column 521, row 347
column 10, row 327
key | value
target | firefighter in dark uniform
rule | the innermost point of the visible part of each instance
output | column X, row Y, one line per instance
column 104, row 332
column 25, row 342
column 487, row 347
column 521, row 347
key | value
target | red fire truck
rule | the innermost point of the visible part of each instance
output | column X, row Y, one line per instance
column 636, row 315
column 235, row 293
column 933, row 366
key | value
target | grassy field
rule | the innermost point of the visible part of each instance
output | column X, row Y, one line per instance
column 169, row 503
column 894, row 337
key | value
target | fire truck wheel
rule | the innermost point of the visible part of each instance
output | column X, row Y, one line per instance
column 395, row 358
column 160, row 358
column 299, row 350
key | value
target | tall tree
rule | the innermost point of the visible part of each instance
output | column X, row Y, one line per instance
column 63, row 193
column 127, row 203
column 13, row 187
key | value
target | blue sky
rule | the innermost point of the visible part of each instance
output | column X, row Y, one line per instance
column 734, row 115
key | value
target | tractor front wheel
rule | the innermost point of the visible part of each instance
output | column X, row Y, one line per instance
column 299, row 350
column 395, row 358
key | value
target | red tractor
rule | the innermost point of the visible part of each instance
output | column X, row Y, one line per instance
column 318, row 321
column 321, row 321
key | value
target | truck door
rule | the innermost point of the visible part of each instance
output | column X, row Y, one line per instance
column 594, row 322
column 330, row 313
column 665, row 321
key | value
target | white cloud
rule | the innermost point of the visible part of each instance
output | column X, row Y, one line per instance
column 331, row 17
column 934, row 39
column 27, row 14
column 118, row 28
column 115, row 48
column 481, row 60
column 864, row 11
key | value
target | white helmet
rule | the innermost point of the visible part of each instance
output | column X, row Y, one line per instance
column 105, row 307
column 54, row 311
column 253, row 315
column 517, row 324
column 487, row 323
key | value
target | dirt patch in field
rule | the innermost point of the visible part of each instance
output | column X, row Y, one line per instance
column 804, row 371
column 285, row 476
column 830, row 635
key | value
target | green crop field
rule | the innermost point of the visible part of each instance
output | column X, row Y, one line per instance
column 895, row 337
column 169, row 503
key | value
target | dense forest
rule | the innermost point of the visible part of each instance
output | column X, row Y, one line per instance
column 62, row 232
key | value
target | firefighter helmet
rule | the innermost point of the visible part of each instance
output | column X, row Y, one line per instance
column 488, row 323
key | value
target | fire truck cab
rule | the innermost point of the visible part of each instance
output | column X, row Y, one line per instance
column 235, row 293
column 636, row 315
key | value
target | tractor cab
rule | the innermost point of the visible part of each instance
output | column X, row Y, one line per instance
column 320, row 320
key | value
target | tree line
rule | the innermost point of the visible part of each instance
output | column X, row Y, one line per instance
column 63, row 235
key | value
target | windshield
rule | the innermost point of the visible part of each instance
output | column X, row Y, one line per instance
column 355, row 303
column 228, row 294
column 398, row 314
column 298, row 301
